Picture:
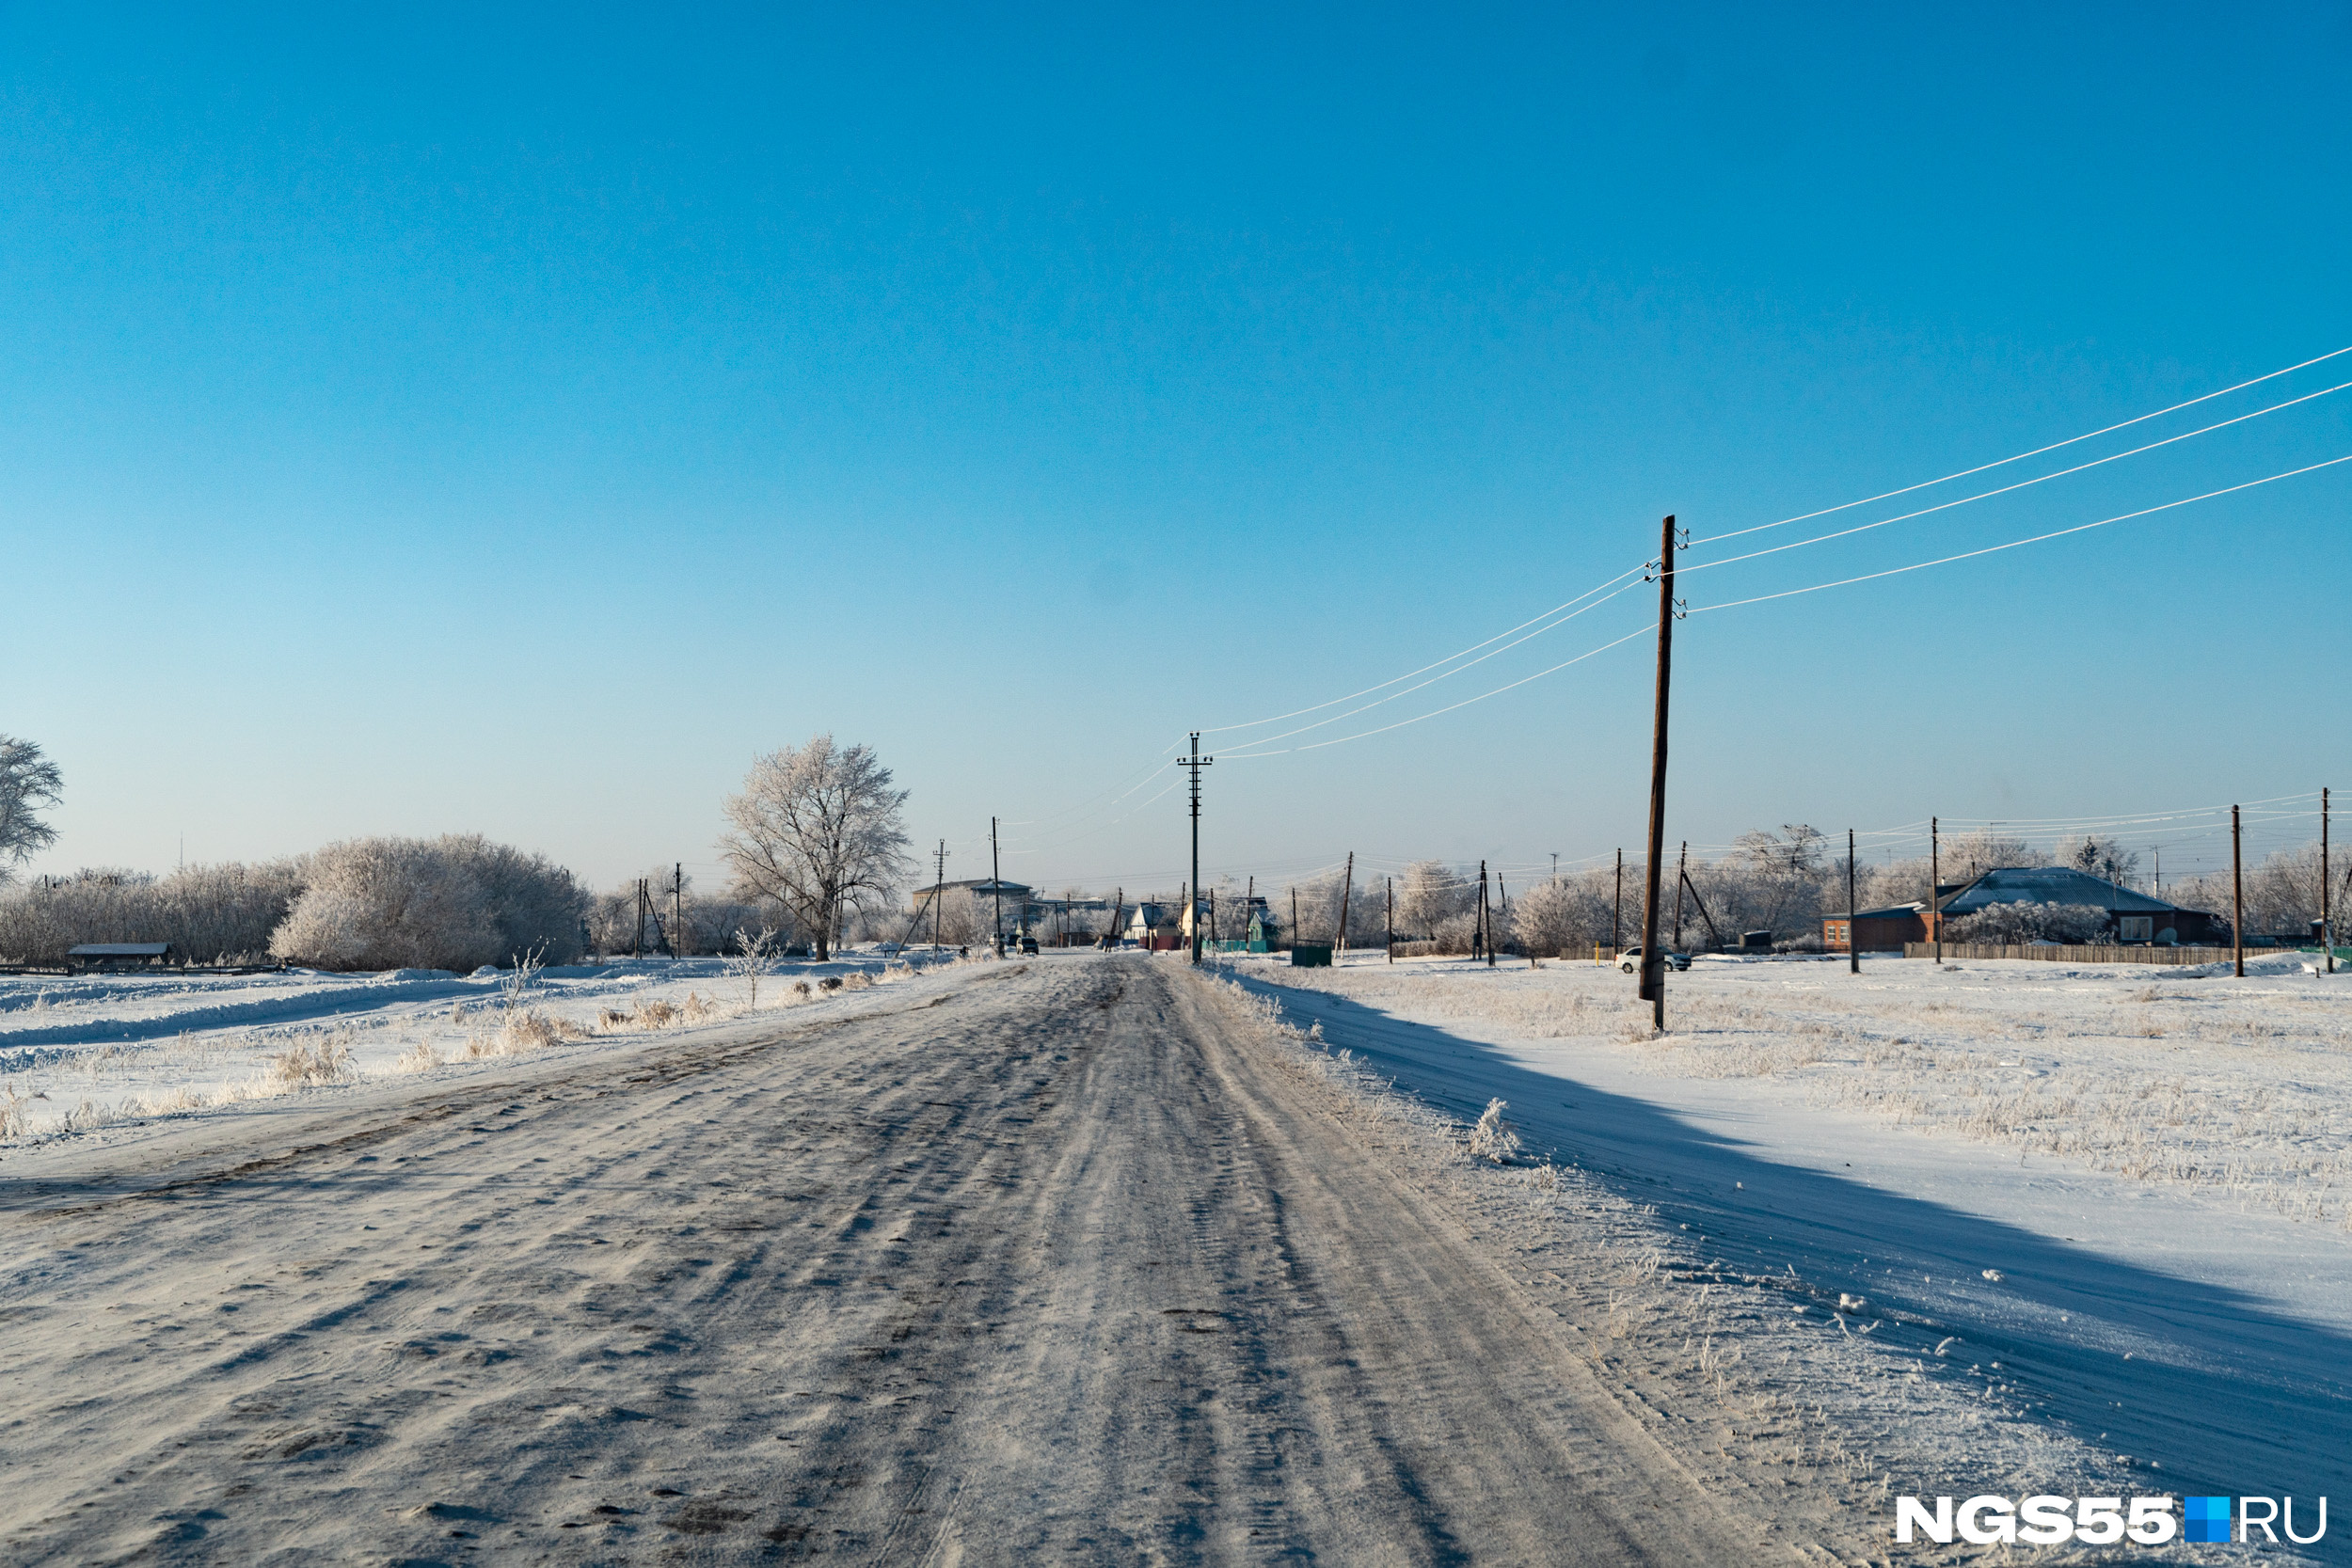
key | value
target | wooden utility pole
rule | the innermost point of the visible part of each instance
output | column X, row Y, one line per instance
column 2238, row 898
column 1616, row 913
column 1388, row 909
column 1854, row 946
column 1294, row 921
column 1196, row 762
column 1479, row 942
column 2326, row 928
column 997, row 889
column 1502, row 897
column 939, row 888
column 1347, row 886
column 639, row 950
column 678, row 907
column 1653, row 961
column 1682, row 879
column 1935, row 913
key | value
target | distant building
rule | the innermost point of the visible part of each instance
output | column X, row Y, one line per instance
column 1016, row 896
column 1155, row 928
column 2134, row 918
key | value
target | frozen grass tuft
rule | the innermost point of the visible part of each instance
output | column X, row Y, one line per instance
column 1492, row 1139
column 323, row 1061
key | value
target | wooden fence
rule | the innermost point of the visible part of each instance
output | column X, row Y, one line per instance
column 2068, row 954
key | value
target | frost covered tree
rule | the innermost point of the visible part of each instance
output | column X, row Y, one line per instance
column 2100, row 857
column 29, row 781
column 818, row 830
column 1967, row 856
column 1426, row 895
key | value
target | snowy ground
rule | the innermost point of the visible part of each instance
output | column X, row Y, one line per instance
column 1999, row 1228
column 1066, row 1259
column 2122, row 1194
column 85, row 1052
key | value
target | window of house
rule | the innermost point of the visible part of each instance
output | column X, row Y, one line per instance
column 2138, row 927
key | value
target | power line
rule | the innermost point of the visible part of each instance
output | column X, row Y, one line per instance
column 2014, row 544
column 2021, row 485
column 2019, row 457
column 1555, row 610
column 1638, row 632
column 1269, row 739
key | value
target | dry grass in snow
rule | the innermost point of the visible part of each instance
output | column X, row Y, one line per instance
column 1803, row 1397
column 2243, row 1087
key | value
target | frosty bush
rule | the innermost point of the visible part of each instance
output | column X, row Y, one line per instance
column 2015, row 925
column 456, row 902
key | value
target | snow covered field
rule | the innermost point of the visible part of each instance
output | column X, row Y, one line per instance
column 1998, row 1226
column 2121, row 1194
column 85, row 1052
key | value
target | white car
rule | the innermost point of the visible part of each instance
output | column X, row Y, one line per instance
column 1630, row 959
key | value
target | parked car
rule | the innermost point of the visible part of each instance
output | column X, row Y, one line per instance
column 1028, row 946
column 1630, row 959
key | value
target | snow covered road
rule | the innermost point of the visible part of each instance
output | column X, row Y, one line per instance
column 2202, row 1341
column 1003, row 1260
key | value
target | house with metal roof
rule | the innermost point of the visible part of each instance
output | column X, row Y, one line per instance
column 2134, row 917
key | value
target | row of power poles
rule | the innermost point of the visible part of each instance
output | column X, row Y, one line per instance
column 1653, row 968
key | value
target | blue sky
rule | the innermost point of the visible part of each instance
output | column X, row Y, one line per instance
column 514, row 422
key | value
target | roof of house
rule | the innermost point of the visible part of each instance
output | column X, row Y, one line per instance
column 2050, row 884
column 1893, row 911
column 120, row 950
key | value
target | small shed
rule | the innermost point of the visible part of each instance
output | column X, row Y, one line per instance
column 120, row 955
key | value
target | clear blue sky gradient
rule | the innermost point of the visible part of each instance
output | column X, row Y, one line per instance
column 514, row 422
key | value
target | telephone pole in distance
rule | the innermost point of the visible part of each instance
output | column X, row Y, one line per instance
column 1192, row 916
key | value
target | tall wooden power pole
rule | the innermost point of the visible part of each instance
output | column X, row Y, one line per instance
column 1503, row 902
column 1479, row 942
column 2238, row 898
column 1192, row 915
column 939, row 888
column 678, row 907
column 1616, row 913
column 1387, row 907
column 1347, row 886
column 2327, row 927
column 1935, row 912
column 1654, row 961
column 997, row 889
column 1853, row 947
column 1682, row 879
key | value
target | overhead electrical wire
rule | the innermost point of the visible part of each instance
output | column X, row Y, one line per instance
column 1254, row 724
column 1551, row 619
column 2015, row 544
column 1341, row 740
column 2021, row 485
column 2019, row 457
column 1269, row 739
